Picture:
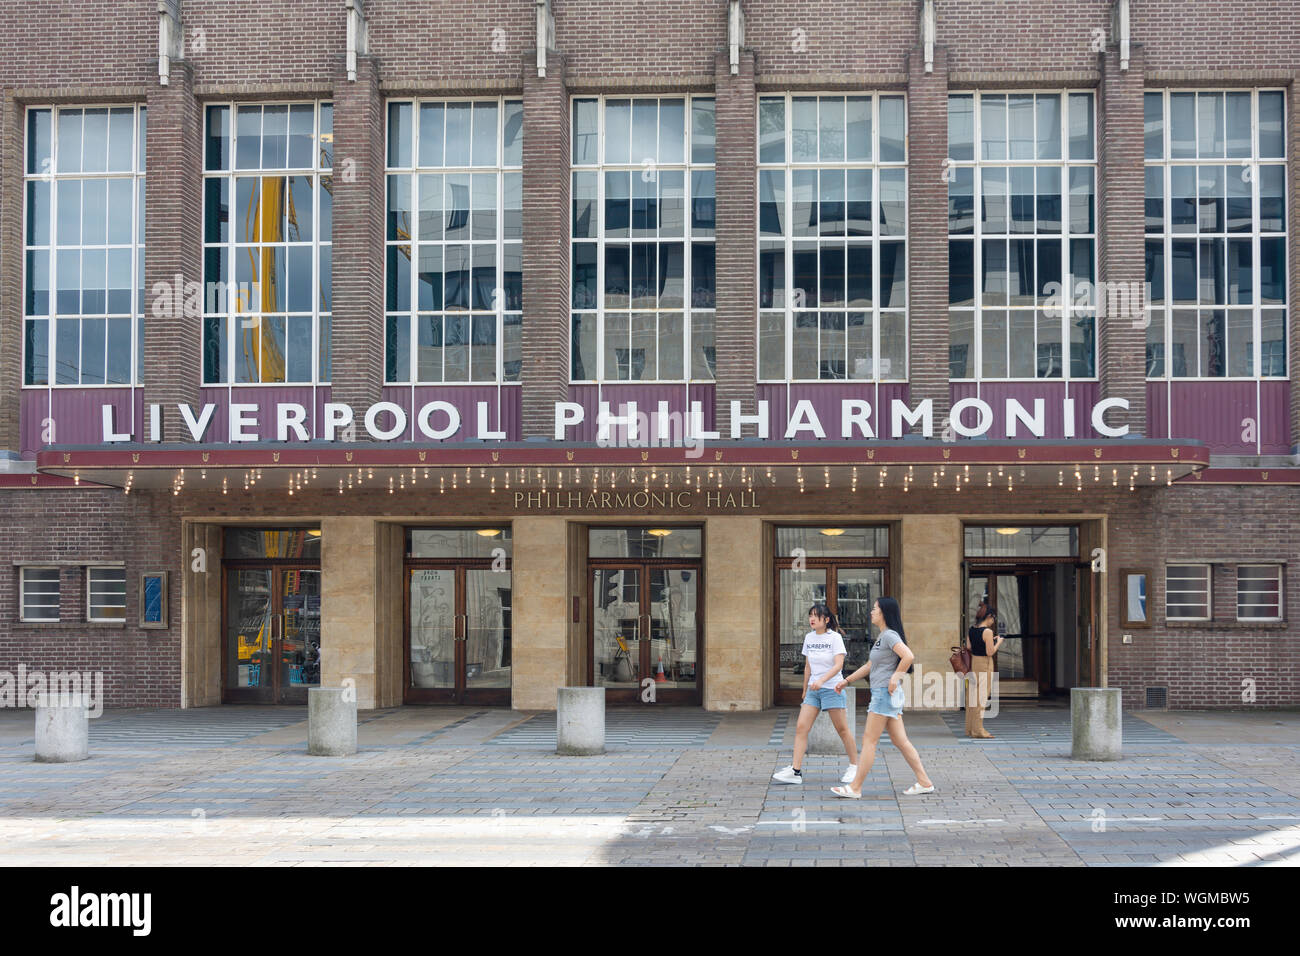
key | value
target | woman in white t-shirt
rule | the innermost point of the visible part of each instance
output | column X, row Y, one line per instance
column 823, row 648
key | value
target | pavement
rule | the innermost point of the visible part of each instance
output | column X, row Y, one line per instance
column 234, row 786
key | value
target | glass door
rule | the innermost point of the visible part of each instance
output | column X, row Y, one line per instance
column 799, row 590
column 670, row 655
column 459, row 635
column 645, row 625
column 432, row 627
column 272, row 634
column 298, row 634
column 856, row 591
column 249, row 626
column 850, row 593
column 1024, row 600
column 616, row 621
column 487, row 631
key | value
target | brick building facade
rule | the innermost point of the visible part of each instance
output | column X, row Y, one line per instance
column 1211, row 458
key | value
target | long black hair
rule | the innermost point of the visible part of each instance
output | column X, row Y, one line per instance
column 821, row 610
column 893, row 620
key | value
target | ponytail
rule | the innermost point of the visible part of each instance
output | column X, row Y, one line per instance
column 821, row 610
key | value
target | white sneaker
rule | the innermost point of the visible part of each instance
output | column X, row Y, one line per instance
column 849, row 774
column 787, row 775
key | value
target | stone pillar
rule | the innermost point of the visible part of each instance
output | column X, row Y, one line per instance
column 350, row 606
column 930, row 595
column 580, row 721
column 201, row 616
column 736, row 322
column 173, row 257
column 927, row 231
column 1096, row 723
column 546, row 213
column 62, row 728
column 331, row 721
column 11, row 274
column 734, row 675
column 1121, row 253
column 540, row 613
column 357, row 337
column 824, row 738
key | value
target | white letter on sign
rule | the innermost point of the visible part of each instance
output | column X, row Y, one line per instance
column 372, row 421
column 1099, row 417
column 242, row 417
column 290, row 415
column 566, row 414
column 438, row 434
column 484, row 431
column 337, row 415
column 109, row 434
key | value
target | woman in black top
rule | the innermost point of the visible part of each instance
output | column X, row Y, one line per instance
column 984, row 643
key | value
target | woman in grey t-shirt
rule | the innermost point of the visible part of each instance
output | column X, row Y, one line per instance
column 890, row 659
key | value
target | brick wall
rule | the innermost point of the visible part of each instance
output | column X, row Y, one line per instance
column 1121, row 344
column 141, row 668
column 544, row 335
column 84, row 51
column 927, row 231
column 357, row 326
column 173, row 247
column 736, row 328
column 1204, row 665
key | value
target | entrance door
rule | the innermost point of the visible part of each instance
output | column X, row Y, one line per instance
column 272, row 633
column 1025, row 600
column 645, row 624
column 458, row 634
column 847, row 590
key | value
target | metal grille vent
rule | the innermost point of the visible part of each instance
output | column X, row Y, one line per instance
column 1157, row 698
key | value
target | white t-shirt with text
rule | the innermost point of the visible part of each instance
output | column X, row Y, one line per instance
column 820, row 649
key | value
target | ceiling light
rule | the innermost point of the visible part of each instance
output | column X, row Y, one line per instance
column 1008, row 531
column 832, row 532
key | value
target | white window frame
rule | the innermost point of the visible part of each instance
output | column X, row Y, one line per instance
column 22, row 593
column 1067, row 298
column 1164, row 313
column 1209, row 590
column 876, row 166
column 92, row 604
column 499, row 170
column 1277, row 569
column 233, row 315
column 600, row 167
column 53, row 177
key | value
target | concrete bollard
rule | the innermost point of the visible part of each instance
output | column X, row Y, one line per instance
column 1095, row 723
column 331, row 721
column 62, row 727
column 823, row 739
column 580, row 721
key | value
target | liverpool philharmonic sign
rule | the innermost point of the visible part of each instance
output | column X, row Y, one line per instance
column 441, row 420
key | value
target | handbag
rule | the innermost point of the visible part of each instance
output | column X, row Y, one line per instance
column 960, row 658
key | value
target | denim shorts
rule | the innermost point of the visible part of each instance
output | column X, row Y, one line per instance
column 882, row 704
column 825, row 699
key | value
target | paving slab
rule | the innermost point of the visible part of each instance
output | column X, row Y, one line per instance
column 234, row 786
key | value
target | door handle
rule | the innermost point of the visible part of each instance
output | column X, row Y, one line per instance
column 464, row 626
